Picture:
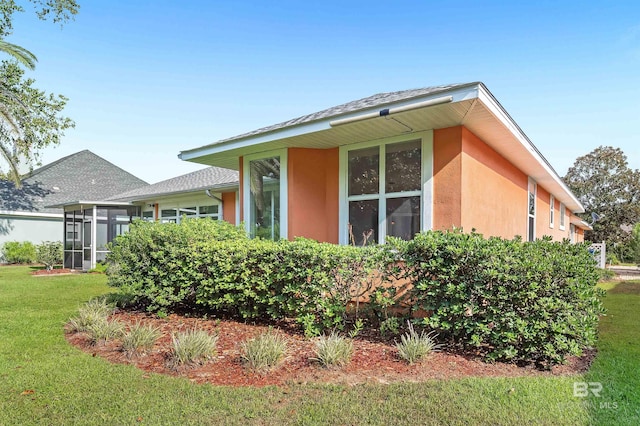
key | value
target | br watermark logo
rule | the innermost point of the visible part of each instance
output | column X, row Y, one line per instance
column 592, row 389
column 585, row 389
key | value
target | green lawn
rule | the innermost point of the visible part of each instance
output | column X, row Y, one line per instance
column 71, row 387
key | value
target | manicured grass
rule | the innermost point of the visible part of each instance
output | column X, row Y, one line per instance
column 71, row 387
column 617, row 366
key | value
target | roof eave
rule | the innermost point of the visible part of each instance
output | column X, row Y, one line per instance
column 217, row 188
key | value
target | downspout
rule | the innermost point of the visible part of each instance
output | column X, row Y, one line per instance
column 210, row 195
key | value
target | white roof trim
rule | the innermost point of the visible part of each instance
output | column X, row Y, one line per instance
column 31, row 214
column 499, row 112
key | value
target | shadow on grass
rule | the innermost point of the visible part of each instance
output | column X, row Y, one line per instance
column 626, row 287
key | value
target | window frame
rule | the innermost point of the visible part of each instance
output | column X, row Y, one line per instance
column 284, row 186
column 552, row 213
column 531, row 233
column 563, row 214
column 425, row 192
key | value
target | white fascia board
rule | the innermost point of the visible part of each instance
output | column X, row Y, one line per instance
column 90, row 203
column 30, row 214
column 501, row 114
column 459, row 94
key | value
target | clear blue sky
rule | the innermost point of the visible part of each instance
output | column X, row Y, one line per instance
column 147, row 79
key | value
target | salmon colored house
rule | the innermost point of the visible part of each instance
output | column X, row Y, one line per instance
column 394, row 164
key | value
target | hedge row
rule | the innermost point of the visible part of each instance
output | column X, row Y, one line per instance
column 502, row 299
column 505, row 299
column 212, row 266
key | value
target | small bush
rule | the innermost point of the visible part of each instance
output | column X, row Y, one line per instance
column 17, row 252
column 605, row 274
column 103, row 330
column 94, row 311
column 140, row 338
column 333, row 350
column 49, row 253
column 413, row 347
column 193, row 347
column 264, row 352
column 101, row 268
column 390, row 326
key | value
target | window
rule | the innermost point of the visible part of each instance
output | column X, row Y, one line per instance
column 563, row 213
column 208, row 211
column 552, row 202
column 147, row 216
column 169, row 216
column 265, row 180
column 384, row 192
column 531, row 224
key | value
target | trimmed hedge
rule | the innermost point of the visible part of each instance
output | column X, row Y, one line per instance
column 505, row 299
column 167, row 267
column 502, row 299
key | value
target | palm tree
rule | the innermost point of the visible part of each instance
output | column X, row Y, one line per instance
column 10, row 131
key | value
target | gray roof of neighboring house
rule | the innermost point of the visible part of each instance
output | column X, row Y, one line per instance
column 83, row 175
column 209, row 178
column 376, row 100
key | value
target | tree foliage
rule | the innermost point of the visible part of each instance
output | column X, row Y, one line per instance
column 30, row 119
column 605, row 185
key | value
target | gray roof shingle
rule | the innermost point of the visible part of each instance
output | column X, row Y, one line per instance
column 80, row 176
column 377, row 100
column 208, row 178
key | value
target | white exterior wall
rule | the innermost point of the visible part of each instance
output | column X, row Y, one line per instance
column 34, row 229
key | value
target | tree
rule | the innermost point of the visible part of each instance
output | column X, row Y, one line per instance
column 29, row 118
column 605, row 185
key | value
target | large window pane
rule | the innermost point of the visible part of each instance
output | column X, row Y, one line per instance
column 364, row 165
column 363, row 222
column 402, row 167
column 264, row 176
column 208, row 210
column 403, row 217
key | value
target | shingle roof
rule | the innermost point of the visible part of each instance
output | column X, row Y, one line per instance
column 83, row 175
column 376, row 100
column 208, row 178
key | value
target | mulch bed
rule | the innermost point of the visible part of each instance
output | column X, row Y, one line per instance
column 60, row 271
column 374, row 359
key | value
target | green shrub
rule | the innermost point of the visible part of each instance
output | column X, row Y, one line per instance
column 49, row 253
column 165, row 267
column 94, row 311
column 103, row 330
column 333, row 350
column 193, row 347
column 605, row 274
column 17, row 252
column 101, row 268
column 264, row 352
column 505, row 299
column 413, row 347
column 140, row 338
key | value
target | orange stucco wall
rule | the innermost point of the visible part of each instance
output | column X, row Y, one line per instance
column 494, row 191
column 447, row 175
column 313, row 194
column 229, row 207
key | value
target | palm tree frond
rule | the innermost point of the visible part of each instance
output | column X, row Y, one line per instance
column 19, row 53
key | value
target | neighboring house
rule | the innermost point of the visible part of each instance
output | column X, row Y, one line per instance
column 25, row 214
column 210, row 192
column 394, row 164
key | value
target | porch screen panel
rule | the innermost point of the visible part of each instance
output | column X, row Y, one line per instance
column 264, row 185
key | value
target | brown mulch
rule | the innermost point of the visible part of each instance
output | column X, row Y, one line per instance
column 374, row 359
column 60, row 271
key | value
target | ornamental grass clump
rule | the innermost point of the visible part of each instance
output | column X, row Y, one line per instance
column 93, row 312
column 103, row 330
column 193, row 347
column 413, row 347
column 333, row 350
column 140, row 339
column 264, row 352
